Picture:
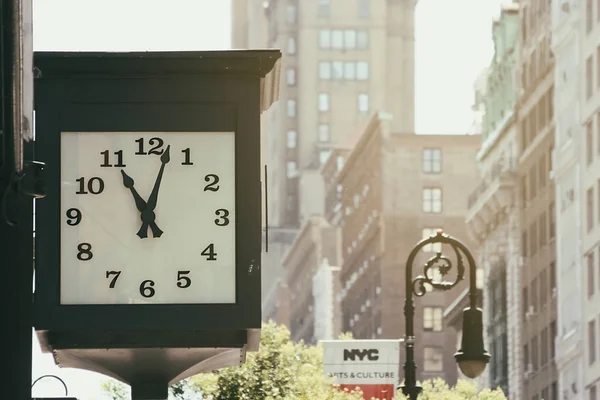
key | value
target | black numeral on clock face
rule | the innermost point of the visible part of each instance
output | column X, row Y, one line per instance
column 114, row 275
column 223, row 215
column 186, row 157
column 84, row 252
column 183, row 281
column 74, row 216
column 94, row 185
column 106, row 159
column 155, row 144
column 147, row 288
column 213, row 181
column 209, row 252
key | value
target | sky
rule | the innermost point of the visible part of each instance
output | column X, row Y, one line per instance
column 453, row 45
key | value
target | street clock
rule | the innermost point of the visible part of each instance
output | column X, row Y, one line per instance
column 148, row 241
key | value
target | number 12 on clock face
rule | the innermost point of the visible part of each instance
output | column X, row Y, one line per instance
column 147, row 217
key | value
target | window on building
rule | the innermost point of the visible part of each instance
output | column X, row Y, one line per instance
column 589, row 139
column 350, row 39
column 524, row 191
column 524, row 243
column 533, row 238
column 432, row 160
column 552, row 216
column 323, row 8
column 325, row 70
column 291, row 108
column 543, row 174
column 291, row 14
column 552, row 339
column 339, row 164
column 291, row 76
column 598, row 131
column 291, row 45
column 543, row 287
column 535, row 361
column 432, row 319
column 363, row 102
column 323, row 133
column 325, row 39
column 590, row 208
column 431, row 247
column 292, row 139
column 337, row 39
column 362, row 39
column 292, row 169
column 526, row 357
column 525, row 299
column 591, row 278
column 598, row 201
column 432, row 200
column 593, row 394
column 337, row 68
column 534, row 294
column 532, row 182
column 323, row 156
column 323, row 101
column 589, row 15
column 362, row 70
column 592, row 342
column 552, row 276
column 350, row 70
column 543, row 229
column 433, row 360
column 589, row 81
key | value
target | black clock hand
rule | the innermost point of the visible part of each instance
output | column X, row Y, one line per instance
column 164, row 159
column 128, row 183
column 147, row 217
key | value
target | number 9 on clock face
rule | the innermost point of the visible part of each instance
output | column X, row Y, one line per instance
column 147, row 217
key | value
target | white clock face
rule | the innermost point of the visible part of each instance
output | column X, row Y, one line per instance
column 147, row 217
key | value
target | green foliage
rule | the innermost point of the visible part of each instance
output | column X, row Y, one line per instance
column 281, row 369
column 116, row 390
column 284, row 370
column 437, row 389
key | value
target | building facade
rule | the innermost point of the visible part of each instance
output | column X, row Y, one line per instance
column 493, row 216
column 589, row 193
column 341, row 61
column 566, row 46
column 312, row 269
column 395, row 190
column 537, row 216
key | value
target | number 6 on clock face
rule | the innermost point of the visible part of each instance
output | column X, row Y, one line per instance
column 147, row 217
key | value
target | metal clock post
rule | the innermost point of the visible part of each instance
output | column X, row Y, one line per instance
column 149, row 238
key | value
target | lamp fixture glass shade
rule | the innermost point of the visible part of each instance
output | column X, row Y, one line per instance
column 472, row 357
column 472, row 369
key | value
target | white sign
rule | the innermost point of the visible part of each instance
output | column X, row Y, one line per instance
column 147, row 217
column 372, row 365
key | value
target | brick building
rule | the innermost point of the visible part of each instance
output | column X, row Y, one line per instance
column 392, row 190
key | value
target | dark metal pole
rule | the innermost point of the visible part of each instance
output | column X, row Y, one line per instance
column 410, row 387
column 16, row 241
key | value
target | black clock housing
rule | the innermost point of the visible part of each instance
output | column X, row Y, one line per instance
column 219, row 91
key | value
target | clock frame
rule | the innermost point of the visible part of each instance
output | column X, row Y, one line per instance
column 151, row 92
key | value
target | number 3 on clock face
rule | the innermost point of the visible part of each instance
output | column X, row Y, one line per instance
column 147, row 217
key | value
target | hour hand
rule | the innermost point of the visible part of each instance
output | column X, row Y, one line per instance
column 128, row 183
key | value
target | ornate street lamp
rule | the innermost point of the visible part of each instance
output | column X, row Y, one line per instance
column 472, row 357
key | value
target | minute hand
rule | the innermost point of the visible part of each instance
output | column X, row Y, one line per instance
column 153, row 199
